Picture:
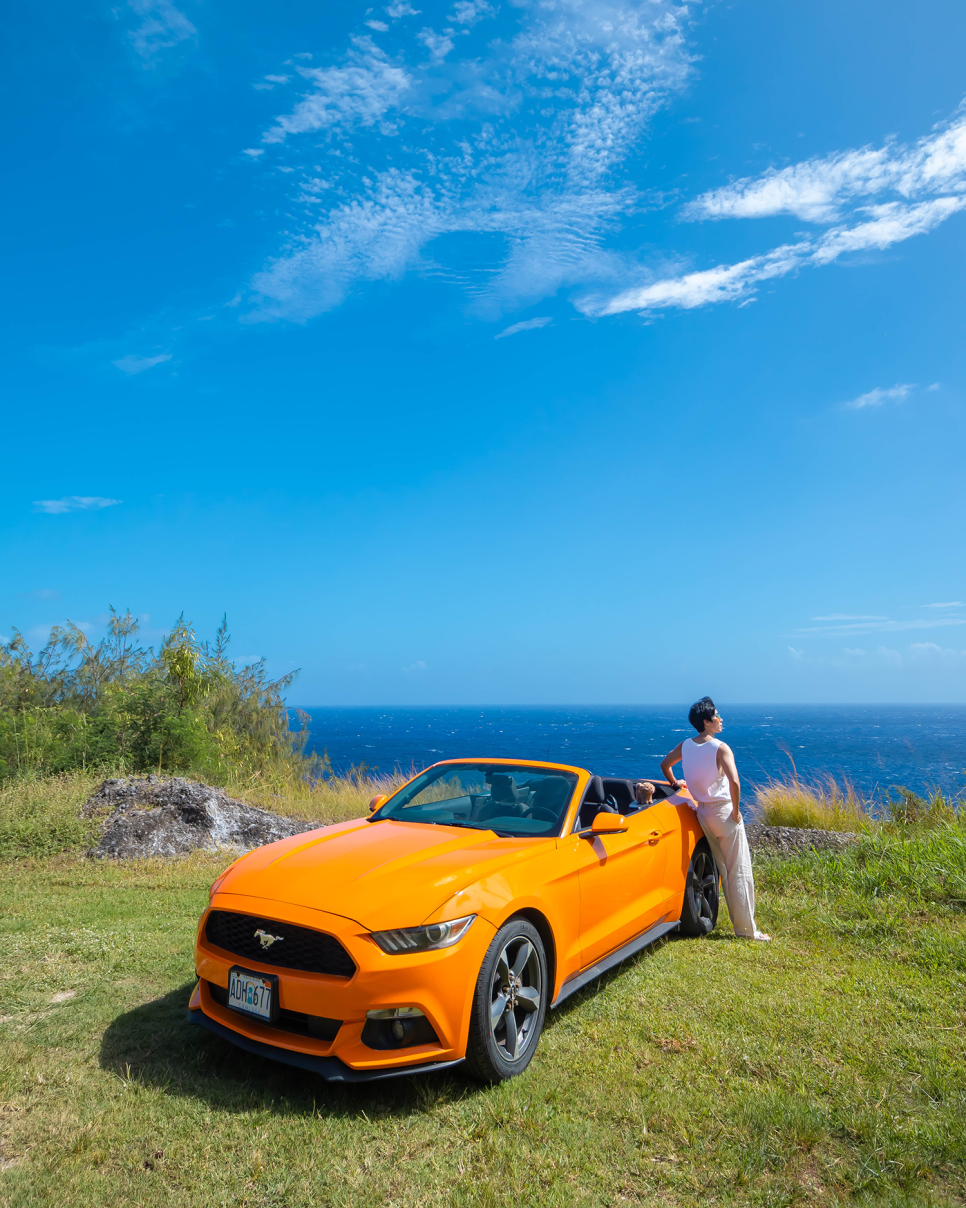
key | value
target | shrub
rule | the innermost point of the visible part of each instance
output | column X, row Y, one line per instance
column 186, row 707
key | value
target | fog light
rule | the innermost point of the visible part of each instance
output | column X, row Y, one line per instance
column 397, row 1028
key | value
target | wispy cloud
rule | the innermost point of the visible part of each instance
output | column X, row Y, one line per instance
column 526, row 139
column 132, row 365
column 950, row 604
column 916, row 188
column 42, row 593
column 884, row 226
column 162, row 26
column 856, row 627
column 880, row 395
column 848, row 616
column 527, row 325
column 522, row 138
column 74, row 503
column 821, row 190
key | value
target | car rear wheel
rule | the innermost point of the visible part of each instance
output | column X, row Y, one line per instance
column 509, row 1004
column 700, row 910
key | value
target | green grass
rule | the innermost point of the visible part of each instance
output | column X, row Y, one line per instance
column 826, row 1067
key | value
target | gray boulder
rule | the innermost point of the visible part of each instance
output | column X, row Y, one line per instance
column 791, row 840
column 147, row 816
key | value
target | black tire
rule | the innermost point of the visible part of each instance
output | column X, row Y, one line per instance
column 509, row 1003
column 700, row 910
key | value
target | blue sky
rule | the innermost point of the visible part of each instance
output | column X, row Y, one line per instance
column 495, row 352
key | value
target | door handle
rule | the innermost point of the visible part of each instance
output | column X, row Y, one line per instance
column 653, row 837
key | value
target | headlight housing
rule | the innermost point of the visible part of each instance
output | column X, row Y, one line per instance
column 423, row 939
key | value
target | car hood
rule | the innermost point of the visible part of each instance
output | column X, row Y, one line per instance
column 381, row 874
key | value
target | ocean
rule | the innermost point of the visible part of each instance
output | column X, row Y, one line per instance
column 874, row 746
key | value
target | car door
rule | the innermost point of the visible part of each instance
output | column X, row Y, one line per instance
column 622, row 880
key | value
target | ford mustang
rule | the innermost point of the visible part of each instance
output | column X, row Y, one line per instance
column 443, row 926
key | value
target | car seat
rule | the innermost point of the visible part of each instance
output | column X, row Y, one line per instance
column 550, row 796
column 505, row 799
column 595, row 802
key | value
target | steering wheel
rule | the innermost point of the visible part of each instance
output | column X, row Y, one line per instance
column 539, row 814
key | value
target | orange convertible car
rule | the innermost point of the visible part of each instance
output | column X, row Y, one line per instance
column 443, row 927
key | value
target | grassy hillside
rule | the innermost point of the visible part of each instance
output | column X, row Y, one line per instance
column 826, row 1067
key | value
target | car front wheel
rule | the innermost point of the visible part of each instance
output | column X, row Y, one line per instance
column 510, row 1003
column 699, row 912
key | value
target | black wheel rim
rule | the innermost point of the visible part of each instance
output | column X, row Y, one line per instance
column 704, row 888
column 516, row 992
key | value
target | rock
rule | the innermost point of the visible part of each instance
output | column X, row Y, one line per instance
column 146, row 816
column 791, row 840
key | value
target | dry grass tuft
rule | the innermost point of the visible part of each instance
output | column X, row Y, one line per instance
column 825, row 804
column 334, row 799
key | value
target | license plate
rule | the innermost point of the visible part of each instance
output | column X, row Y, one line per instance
column 253, row 994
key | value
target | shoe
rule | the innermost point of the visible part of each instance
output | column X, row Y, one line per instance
column 760, row 935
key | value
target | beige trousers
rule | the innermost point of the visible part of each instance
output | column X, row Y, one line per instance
column 729, row 846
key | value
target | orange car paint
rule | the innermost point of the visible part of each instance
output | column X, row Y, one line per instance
column 590, row 895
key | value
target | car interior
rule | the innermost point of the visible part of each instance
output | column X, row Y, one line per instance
column 615, row 796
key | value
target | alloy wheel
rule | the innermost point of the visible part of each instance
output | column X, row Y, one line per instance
column 704, row 888
column 515, row 995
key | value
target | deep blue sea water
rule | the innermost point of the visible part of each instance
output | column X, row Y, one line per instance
column 874, row 746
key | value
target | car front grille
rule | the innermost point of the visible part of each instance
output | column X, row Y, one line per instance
column 318, row 1027
column 293, row 947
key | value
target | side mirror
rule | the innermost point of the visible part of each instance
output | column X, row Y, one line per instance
column 379, row 799
column 608, row 824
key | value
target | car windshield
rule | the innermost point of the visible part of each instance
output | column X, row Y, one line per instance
column 522, row 802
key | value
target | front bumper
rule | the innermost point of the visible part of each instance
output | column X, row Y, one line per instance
column 440, row 984
column 331, row 1068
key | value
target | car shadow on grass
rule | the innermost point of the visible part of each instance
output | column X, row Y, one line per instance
column 155, row 1045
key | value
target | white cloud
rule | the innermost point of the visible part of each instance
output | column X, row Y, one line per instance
column 857, row 627
column 950, row 604
column 402, row 10
column 847, row 616
column 379, row 26
column 853, row 651
column 42, row 593
column 819, row 191
column 469, row 12
column 527, row 325
column 74, row 503
column 888, row 655
column 726, row 283
column 438, row 45
column 419, row 665
column 796, row 654
column 524, row 143
column 134, row 364
column 162, row 26
column 880, row 395
column 354, row 95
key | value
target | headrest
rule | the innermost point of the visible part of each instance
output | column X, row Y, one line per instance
column 503, row 789
column 595, row 792
column 552, row 792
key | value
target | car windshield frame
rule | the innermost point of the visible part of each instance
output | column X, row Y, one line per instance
column 522, row 809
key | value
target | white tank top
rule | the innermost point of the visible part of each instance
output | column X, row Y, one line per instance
column 706, row 784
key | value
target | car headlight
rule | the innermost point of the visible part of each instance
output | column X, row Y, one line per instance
column 423, row 939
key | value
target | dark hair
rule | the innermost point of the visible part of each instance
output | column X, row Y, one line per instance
column 701, row 711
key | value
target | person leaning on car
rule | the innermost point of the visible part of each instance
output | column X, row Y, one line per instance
column 711, row 778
